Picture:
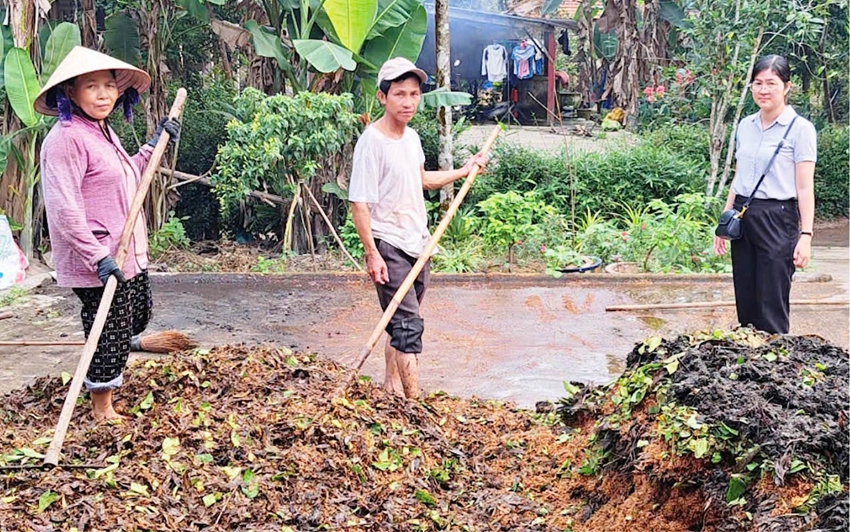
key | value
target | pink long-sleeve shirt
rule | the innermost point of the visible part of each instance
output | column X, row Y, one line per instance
column 89, row 183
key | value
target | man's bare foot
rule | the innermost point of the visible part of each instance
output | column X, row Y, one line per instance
column 408, row 369
column 110, row 416
column 392, row 380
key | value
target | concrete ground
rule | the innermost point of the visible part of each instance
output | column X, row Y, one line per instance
column 503, row 337
column 546, row 138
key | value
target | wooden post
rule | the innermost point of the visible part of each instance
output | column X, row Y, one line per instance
column 444, row 114
column 550, row 76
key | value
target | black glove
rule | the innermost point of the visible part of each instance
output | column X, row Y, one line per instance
column 107, row 267
column 170, row 125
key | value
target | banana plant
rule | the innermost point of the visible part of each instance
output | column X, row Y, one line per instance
column 22, row 84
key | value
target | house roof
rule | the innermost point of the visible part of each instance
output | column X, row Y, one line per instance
column 526, row 8
column 503, row 19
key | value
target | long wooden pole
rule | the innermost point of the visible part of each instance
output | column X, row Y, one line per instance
column 52, row 456
column 420, row 263
column 40, row 343
column 331, row 227
column 714, row 304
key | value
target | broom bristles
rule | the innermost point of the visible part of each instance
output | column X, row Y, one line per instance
column 167, row 342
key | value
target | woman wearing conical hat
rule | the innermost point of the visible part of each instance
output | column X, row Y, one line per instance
column 89, row 183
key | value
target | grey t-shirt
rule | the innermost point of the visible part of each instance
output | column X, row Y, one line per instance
column 755, row 146
column 387, row 174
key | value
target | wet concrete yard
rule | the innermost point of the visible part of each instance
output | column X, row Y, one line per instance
column 500, row 337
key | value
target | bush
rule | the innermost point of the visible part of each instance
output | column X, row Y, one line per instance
column 660, row 236
column 279, row 141
column 690, row 141
column 603, row 181
column 510, row 218
column 204, row 129
column 171, row 236
column 425, row 123
column 831, row 184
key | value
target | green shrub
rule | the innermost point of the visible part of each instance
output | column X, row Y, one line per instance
column 509, row 218
column 350, row 238
column 602, row 181
column 831, row 182
column 660, row 236
column 465, row 256
column 204, row 120
column 425, row 124
column 689, row 141
column 280, row 140
column 204, row 129
column 171, row 236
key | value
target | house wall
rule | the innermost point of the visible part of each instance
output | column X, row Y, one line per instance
column 468, row 40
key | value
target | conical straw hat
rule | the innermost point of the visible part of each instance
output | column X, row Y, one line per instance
column 83, row 60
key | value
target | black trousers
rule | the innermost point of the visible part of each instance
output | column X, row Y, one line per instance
column 763, row 263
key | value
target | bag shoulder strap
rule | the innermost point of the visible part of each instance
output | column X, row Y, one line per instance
column 770, row 162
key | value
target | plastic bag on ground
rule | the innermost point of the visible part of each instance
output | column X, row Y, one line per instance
column 13, row 263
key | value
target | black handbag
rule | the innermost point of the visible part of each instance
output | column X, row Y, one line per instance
column 730, row 226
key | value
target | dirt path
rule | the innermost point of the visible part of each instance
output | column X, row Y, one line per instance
column 514, row 339
column 543, row 138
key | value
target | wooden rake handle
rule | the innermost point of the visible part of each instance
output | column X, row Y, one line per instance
column 420, row 262
column 52, row 456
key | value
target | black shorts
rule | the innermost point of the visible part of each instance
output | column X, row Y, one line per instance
column 129, row 315
column 406, row 326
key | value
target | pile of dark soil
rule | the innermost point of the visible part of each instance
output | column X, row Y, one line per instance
column 754, row 426
column 254, row 439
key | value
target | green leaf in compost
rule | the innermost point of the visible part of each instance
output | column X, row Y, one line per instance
column 737, row 487
column 425, row 498
column 147, row 402
column 47, row 498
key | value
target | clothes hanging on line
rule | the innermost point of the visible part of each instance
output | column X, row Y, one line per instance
column 524, row 59
column 538, row 61
column 564, row 41
column 494, row 63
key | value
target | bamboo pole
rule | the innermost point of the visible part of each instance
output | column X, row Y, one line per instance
column 714, row 304
column 52, row 456
column 331, row 227
column 419, row 265
column 40, row 343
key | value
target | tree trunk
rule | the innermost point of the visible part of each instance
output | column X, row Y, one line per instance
column 624, row 81
column 444, row 114
column 156, row 106
column 741, row 100
column 654, row 37
column 88, row 24
column 585, row 55
column 827, row 97
column 719, row 106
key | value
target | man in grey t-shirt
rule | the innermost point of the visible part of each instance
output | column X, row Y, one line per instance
column 388, row 208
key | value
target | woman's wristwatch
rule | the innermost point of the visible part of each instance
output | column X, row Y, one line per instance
column 806, row 233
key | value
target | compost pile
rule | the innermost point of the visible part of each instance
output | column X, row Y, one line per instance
column 258, row 439
column 753, row 429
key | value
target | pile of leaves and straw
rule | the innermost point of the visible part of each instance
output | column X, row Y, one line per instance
column 750, row 429
column 256, row 439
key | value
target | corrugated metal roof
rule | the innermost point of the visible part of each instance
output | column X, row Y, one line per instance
column 503, row 19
